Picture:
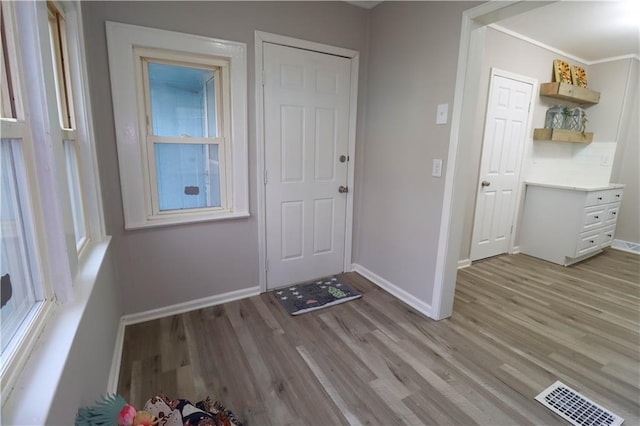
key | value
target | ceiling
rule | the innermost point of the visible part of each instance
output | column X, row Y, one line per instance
column 586, row 29
column 589, row 30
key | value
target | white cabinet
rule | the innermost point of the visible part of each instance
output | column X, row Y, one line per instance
column 567, row 224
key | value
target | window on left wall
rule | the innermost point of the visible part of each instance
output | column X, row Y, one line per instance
column 64, row 95
column 48, row 192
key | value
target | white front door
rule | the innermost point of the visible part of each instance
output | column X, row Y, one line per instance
column 306, row 119
column 508, row 109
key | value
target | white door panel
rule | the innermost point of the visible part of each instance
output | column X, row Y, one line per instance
column 306, row 108
column 503, row 145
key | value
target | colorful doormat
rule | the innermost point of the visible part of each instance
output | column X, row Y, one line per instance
column 317, row 294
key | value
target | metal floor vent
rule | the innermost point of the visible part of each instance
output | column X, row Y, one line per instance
column 575, row 408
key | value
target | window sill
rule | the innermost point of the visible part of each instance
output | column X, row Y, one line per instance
column 30, row 400
column 185, row 218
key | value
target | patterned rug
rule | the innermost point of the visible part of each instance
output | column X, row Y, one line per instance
column 317, row 294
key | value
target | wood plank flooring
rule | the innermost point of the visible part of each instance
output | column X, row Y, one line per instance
column 519, row 324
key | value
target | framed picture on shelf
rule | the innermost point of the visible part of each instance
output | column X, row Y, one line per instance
column 579, row 76
column 561, row 71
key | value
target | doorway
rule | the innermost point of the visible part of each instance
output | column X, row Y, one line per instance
column 306, row 136
column 474, row 22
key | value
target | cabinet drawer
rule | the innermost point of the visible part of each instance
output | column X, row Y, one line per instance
column 606, row 237
column 611, row 214
column 587, row 242
column 596, row 198
column 593, row 218
column 615, row 195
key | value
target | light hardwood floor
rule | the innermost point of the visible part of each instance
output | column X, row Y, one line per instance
column 518, row 325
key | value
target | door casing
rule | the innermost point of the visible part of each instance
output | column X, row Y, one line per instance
column 354, row 56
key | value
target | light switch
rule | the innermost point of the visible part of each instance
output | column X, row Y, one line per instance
column 436, row 170
column 442, row 113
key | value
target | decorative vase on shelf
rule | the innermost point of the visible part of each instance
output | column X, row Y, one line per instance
column 555, row 117
column 575, row 120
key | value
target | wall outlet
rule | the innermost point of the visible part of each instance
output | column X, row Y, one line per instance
column 442, row 113
column 436, row 170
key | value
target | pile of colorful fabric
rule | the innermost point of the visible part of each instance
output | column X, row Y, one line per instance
column 113, row 410
column 179, row 412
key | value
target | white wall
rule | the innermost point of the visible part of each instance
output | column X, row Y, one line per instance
column 86, row 372
column 70, row 364
column 412, row 68
column 174, row 264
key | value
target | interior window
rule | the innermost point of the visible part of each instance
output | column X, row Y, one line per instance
column 182, row 107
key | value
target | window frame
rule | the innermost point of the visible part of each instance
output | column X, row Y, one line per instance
column 57, row 260
column 135, row 167
column 63, row 80
column 19, row 128
column 220, row 68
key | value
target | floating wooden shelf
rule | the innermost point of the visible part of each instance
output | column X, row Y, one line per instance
column 562, row 135
column 569, row 92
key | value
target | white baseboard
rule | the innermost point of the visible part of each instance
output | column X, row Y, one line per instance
column 515, row 250
column 191, row 305
column 179, row 308
column 409, row 299
column 627, row 246
column 464, row 263
column 114, row 373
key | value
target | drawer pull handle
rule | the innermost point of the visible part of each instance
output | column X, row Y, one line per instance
column 599, row 198
column 609, row 235
column 596, row 217
column 591, row 241
column 617, row 195
column 613, row 213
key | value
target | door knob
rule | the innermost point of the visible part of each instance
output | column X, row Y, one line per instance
column 343, row 158
column 343, row 189
column 485, row 183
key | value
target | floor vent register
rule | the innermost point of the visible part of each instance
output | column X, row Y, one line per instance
column 575, row 408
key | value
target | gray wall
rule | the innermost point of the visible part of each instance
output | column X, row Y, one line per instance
column 626, row 168
column 412, row 68
column 607, row 117
column 164, row 266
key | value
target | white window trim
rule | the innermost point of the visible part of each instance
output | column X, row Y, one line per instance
column 16, row 354
column 65, row 90
column 134, row 174
column 64, row 271
column 85, row 137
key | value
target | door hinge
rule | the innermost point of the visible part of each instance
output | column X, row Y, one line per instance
column 263, row 77
column 266, row 176
column 266, row 265
column 511, row 232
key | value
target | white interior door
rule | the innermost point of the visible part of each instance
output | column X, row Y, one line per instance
column 508, row 110
column 306, row 121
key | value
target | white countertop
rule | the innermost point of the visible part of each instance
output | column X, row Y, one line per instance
column 576, row 187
